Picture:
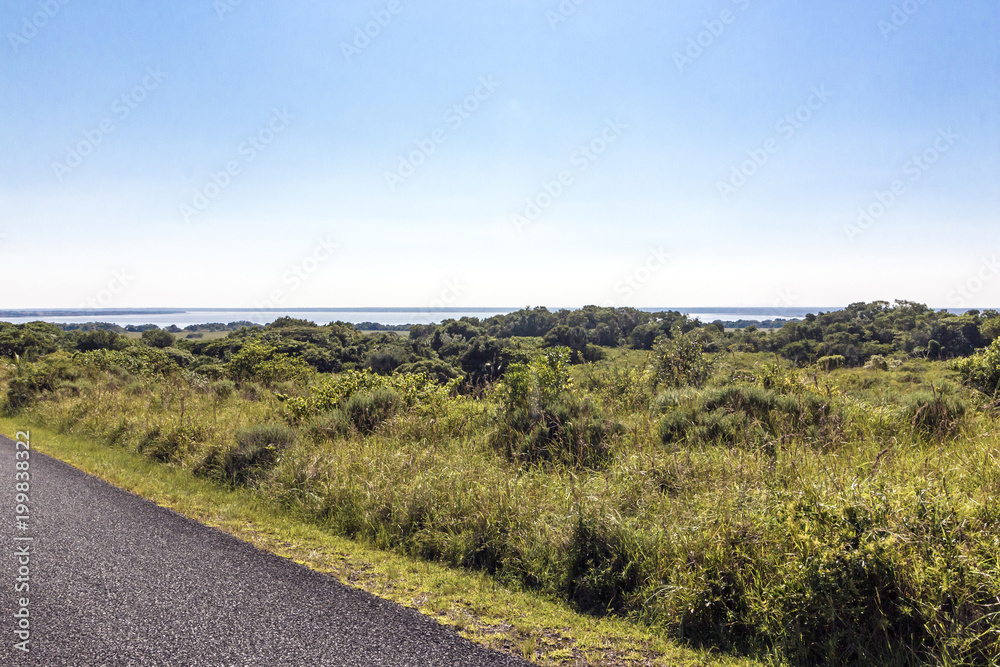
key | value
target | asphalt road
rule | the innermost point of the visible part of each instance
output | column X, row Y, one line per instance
column 116, row 580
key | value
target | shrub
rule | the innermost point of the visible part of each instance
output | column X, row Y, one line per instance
column 134, row 360
column 28, row 341
column 386, row 360
column 541, row 418
column 211, row 371
column 174, row 444
column 259, row 362
column 182, row 358
column 846, row 602
column 258, row 449
column 223, row 389
column 100, row 339
column 746, row 415
column 604, row 565
column 982, row 370
column 570, row 430
column 828, row 363
column 32, row 379
column 680, row 361
column 877, row 362
column 157, row 338
column 438, row 370
column 328, row 426
column 368, row 410
column 334, row 391
column 933, row 412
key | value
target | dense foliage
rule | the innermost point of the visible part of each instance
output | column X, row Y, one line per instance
column 826, row 493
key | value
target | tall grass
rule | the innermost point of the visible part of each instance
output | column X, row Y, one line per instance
column 831, row 517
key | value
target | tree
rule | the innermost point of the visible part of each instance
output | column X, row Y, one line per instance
column 157, row 338
column 681, row 361
column 982, row 370
column 28, row 341
column 100, row 340
column 260, row 362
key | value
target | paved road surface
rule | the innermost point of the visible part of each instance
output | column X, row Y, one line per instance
column 116, row 580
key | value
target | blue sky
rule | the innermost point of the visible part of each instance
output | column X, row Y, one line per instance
column 400, row 153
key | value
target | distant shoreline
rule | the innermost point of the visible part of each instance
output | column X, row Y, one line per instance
column 370, row 318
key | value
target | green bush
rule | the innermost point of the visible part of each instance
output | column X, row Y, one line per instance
column 368, row 410
column 257, row 450
column 100, row 339
column 829, row 362
column 134, row 360
column 28, row 341
column 845, row 602
column 32, row 379
column 933, row 412
column 223, row 389
column 604, row 566
column 334, row 391
column 328, row 426
column 877, row 362
column 157, row 338
column 540, row 416
column 173, row 444
column 570, row 430
column 260, row 362
column 681, row 361
column 435, row 369
column 982, row 370
column 745, row 415
column 182, row 358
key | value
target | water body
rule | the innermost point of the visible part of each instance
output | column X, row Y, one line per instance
column 183, row 317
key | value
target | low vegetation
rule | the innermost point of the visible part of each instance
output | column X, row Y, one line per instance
column 824, row 494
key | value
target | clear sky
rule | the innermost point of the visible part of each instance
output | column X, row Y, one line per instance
column 400, row 153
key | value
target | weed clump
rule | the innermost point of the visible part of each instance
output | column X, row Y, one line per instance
column 367, row 410
column 258, row 449
column 934, row 413
column 747, row 415
column 33, row 379
column 541, row 418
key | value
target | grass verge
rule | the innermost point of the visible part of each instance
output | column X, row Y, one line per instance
column 475, row 605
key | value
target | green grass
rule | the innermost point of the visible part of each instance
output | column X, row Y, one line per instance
column 474, row 604
column 799, row 516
